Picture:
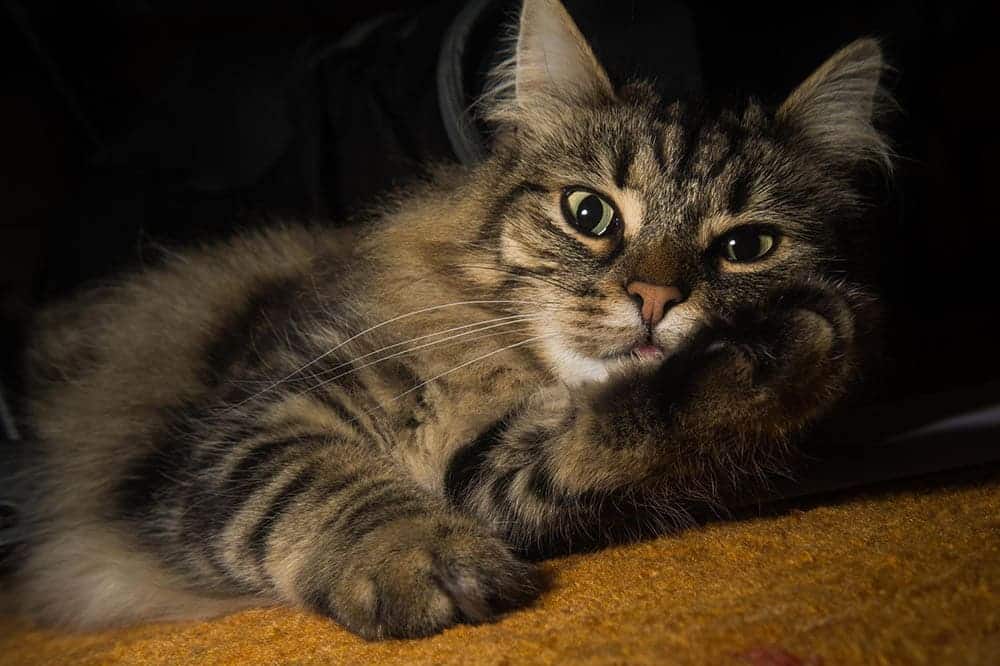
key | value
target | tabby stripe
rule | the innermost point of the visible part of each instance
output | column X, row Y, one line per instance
column 376, row 517
column 497, row 212
column 589, row 309
column 624, row 163
column 257, row 327
column 333, row 403
column 695, row 212
column 500, row 489
column 149, row 480
column 736, row 136
column 739, row 194
column 215, row 507
column 468, row 462
column 542, row 487
column 344, row 508
column 177, row 450
column 336, row 486
column 255, row 468
column 220, row 444
column 282, row 502
column 410, row 378
column 368, row 502
column 354, row 390
column 539, row 482
column 373, row 422
column 373, row 487
column 324, row 395
column 692, row 126
column 660, row 148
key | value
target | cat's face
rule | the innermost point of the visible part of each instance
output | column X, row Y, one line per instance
column 635, row 224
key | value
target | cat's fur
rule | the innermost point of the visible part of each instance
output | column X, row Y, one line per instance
column 247, row 423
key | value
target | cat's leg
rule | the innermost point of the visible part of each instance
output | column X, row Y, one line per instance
column 575, row 460
column 323, row 522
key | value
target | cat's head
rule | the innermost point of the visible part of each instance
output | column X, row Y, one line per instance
column 639, row 222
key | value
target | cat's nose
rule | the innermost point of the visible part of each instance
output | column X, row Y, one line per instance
column 653, row 299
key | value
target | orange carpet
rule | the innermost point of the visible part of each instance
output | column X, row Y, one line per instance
column 908, row 575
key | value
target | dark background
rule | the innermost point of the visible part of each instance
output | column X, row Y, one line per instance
column 80, row 78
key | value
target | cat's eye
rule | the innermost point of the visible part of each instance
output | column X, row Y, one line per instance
column 589, row 212
column 747, row 244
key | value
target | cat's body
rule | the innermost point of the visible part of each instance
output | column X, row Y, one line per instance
column 372, row 423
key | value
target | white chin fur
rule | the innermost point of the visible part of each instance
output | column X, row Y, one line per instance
column 573, row 368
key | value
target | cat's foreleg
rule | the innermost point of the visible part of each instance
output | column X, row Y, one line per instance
column 331, row 526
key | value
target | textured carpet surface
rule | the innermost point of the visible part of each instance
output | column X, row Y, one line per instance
column 903, row 576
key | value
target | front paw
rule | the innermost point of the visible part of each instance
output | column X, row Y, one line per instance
column 779, row 368
column 419, row 576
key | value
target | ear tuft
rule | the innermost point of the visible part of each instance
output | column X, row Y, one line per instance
column 551, row 63
column 837, row 105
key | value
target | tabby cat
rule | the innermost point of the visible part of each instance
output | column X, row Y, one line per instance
column 629, row 307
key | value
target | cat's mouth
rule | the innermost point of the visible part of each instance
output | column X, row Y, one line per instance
column 579, row 359
column 645, row 351
column 648, row 351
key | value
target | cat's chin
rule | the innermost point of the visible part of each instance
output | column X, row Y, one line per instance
column 575, row 368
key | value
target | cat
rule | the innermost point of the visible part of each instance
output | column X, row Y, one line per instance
column 627, row 308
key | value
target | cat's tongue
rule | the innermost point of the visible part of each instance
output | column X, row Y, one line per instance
column 649, row 352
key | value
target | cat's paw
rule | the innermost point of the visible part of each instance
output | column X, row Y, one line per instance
column 781, row 368
column 417, row 577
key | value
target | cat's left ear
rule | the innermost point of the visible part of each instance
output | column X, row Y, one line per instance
column 552, row 64
column 836, row 107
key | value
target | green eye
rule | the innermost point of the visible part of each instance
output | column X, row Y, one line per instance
column 747, row 244
column 589, row 212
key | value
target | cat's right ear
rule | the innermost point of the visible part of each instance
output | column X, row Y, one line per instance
column 552, row 65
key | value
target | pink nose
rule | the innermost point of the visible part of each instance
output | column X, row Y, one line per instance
column 653, row 299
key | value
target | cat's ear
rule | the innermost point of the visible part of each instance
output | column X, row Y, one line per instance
column 836, row 107
column 551, row 63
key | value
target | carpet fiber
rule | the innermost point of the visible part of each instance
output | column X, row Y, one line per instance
column 906, row 575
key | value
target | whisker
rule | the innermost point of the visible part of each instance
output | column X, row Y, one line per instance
column 510, row 319
column 456, row 368
column 404, row 353
column 368, row 330
column 518, row 331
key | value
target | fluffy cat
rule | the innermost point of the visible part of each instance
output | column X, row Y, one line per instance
column 628, row 307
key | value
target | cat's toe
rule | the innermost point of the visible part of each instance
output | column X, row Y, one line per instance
column 420, row 578
column 483, row 578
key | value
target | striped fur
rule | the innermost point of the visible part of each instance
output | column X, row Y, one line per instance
column 380, row 424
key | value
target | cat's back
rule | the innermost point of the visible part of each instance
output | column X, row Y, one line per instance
column 106, row 363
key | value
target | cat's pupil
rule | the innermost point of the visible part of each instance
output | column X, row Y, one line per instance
column 744, row 246
column 590, row 211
